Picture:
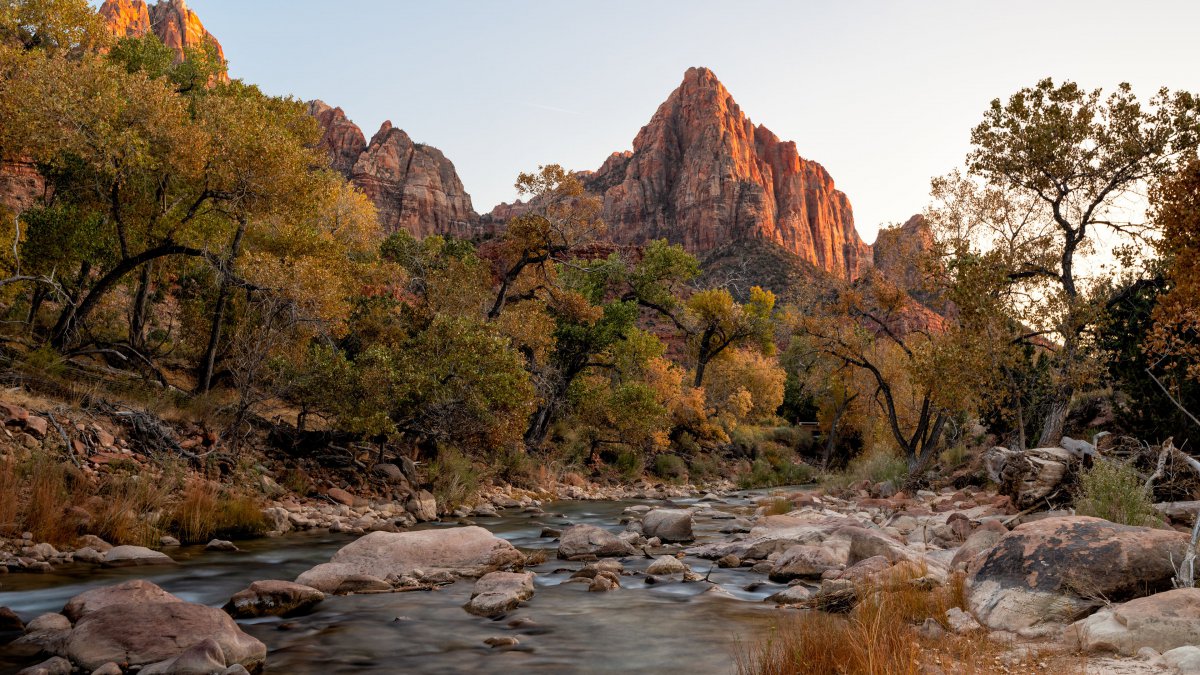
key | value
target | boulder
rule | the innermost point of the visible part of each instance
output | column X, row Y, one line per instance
column 980, row 540
column 48, row 631
column 667, row 564
column 145, row 633
column 273, row 598
column 221, row 545
column 95, row 543
column 460, row 551
column 1057, row 570
column 37, row 426
column 1162, row 622
column 589, row 540
column 138, row 591
column 202, row 658
column 1186, row 660
column 10, row 622
column 672, row 525
column 497, row 593
column 791, row 595
column 341, row 496
column 807, row 561
column 423, row 506
column 55, row 665
column 134, row 556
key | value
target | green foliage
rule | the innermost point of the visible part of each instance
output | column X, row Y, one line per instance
column 776, row 472
column 630, row 465
column 875, row 466
column 453, row 477
column 1116, row 492
column 671, row 468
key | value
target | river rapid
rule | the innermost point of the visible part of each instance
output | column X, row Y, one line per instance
column 671, row 627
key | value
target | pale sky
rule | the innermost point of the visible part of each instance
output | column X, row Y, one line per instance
column 882, row 93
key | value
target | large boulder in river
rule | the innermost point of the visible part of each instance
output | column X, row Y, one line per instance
column 807, row 561
column 1162, row 622
column 139, row 624
column 137, row 591
column 135, row 556
column 273, row 598
column 499, row 592
column 589, row 540
column 668, row 525
column 1057, row 570
column 460, row 551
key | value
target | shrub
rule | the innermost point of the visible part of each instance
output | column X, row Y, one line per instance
column 630, row 465
column 453, row 477
column 10, row 505
column 875, row 466
column 671, row 468
column 1115, row 492
column 516, row 467
column 52, row 487
column 764, row 473
column 776, row 506
column 955, row 457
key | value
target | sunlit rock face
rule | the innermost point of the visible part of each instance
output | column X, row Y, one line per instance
column 413, row 186
column 701, row 174
column 171, row 20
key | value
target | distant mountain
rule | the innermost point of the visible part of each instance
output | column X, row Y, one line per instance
column 171, row 20
column 703, row 175
column 414, row 186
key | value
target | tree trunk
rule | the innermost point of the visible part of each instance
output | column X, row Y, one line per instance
column 204, row 381
column 1056, row 419
column 141, row 304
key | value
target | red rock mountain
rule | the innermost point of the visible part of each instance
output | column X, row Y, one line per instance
column 171, row 20
column 414, row 186
column 898, row 251
column 703, row 175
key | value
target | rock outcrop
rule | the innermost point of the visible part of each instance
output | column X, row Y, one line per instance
column 413, row 186
column 171, row 20
column 703, row 175
column 1162, row 622
column 1055, row 570
column 898, row 250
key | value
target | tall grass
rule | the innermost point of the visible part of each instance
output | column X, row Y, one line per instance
column 880, row 636
column 10, row 504
column 129, row 509
column 205, row 512
column 1115, row 492
column 873, row 466
column 52, row 488
column 454, row 478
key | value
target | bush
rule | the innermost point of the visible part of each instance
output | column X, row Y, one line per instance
column 875, row 466
column 128, row 509
column 453, row 477
column 955, row 457
column 670, row 468
column 630, row 465
column 765, row 473
column 516, row 467
column 1115, row 492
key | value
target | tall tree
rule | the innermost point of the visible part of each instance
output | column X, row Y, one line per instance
column 1052, row 168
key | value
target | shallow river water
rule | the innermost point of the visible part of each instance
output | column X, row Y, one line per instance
column 672, row 627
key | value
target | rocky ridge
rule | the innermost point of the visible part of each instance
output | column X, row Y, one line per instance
column 171, row 20
column 701, row 174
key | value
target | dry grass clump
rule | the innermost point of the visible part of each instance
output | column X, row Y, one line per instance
column 776, row 506
column 205, row 511
column 127, row 509
column 10, row 506
column 882, row 635
column 53, row 487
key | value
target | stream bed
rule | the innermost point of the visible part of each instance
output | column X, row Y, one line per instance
column 672, row 627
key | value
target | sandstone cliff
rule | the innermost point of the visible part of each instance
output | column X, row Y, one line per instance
column 898, row 252
column 171, row 20
column 340, row 137
column 414, row 187
column 703, row 175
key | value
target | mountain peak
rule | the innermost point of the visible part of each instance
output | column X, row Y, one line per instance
column 171, row 20
column 703, row 175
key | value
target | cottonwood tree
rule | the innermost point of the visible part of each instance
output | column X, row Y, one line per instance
column 1052, row 169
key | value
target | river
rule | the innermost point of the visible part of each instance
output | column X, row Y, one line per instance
column 673, row 627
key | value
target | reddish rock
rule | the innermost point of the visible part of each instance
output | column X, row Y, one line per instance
column 703, row 175
column 340, row 138
column 897, row 250
column 21, row 186
column 171, row 20
column 414, row 187
column 13, row 414
column 37, row 426
column 341, row 496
